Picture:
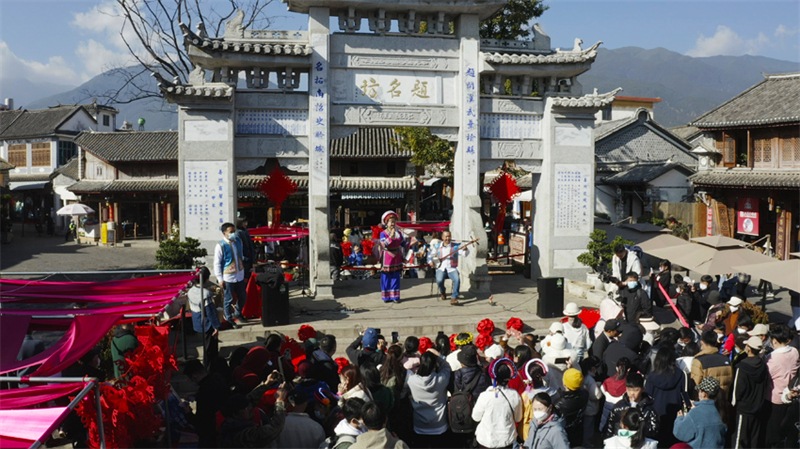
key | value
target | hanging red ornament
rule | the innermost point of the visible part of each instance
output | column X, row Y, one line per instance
column 277, row 187
column 503, row 188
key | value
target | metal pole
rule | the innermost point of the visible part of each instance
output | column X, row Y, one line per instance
column 166, row 418
column 86, row 389
column 49, row 380
column 203, row 316
column 183, row 331
column 37, row 273
column 100, row 427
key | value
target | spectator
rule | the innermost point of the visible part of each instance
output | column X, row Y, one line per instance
column 613, row 389
column 663, row 277
column 212, row 393
column 576, row 333
column 364, row 348
column 749, row 396
column 370, row 383
column 634, row 299
column 428, row 388
column 710, row 363
column 498, row 409
column 782, row 363
column 625, row 262
column 349, row 386
column 610, row 333
column 702, row 426
column 461, row 340
column 571, row 402
column 636, row 398
column 591, row 413
column 299, row 430
column 324, row 368
column 123, row 344
column 350, row 427
column 241, row 428
column 547, row 429
column 631, row 433
column 668, row 386
column 376, row 436
column 337, row 257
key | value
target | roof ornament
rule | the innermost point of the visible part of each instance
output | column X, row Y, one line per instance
column 197, row 77
column 577, row 47
column 233, row 27
column 541, row 40
column 201, row 30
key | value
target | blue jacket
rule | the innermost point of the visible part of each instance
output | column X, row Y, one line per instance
column 701, row 427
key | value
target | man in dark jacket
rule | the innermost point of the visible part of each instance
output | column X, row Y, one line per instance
column 634, row 299
column 571, row 402
column 634, row 397
column 627, row 345
column 610, row 333
column 239, row 429
column 365, row 348
column 324, row 367
column 749, row 395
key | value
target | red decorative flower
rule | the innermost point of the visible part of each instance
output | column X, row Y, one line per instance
column 486, row 326
column 453, row 346
column 589, row 316
column 483, row 341
column 366, row 247
column 305, row 332
column 342, row 363
column 425, row 343
column 515, row 323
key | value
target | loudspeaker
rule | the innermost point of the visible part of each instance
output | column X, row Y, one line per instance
column 274, row 305
column 551, row 297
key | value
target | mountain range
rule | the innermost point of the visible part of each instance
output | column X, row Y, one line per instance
column 688, row 86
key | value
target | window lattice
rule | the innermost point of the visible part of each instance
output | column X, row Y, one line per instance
column 40, row 154
column 18, row 155
column 762, row 152
column 790, row 151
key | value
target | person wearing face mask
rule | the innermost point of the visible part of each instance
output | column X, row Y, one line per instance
column 350, row 427
column 709, row 362
column 631, row 433
column 749, row 396
column 229, row 270
column 686, row 305
column 634, row 299
column 547, row 428
column 705, row 294
column 731, row 321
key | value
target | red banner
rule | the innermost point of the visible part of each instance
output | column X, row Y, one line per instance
column 747, row 216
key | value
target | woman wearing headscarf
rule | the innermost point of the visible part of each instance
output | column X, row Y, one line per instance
column 392, row 244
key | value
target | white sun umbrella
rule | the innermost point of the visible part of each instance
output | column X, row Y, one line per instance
column 707, row 260
column 785, row 273
column 75, row 209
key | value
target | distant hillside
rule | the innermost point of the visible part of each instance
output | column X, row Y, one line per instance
column 688, row 86
column 159, row 115
column 23, row 91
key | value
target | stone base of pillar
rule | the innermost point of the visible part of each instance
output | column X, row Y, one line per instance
column 480, row 280
column 475, row 272
column 324, row 289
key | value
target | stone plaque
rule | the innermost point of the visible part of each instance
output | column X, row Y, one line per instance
column 205, row 131
column 566, row 258
column 573, row 210
column 206, row 196
column 511, row 126
column 573, row 136
column 282, row 122
column 400, row 116
column 397, row 62
column 408, row 89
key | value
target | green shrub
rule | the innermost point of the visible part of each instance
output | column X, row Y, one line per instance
column 174, row 254
column 600, row 251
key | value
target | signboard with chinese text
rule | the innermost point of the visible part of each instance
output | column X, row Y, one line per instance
column 573, row 211
column 517, row 245
column 206, row 195
column 747, row 216
column 397, row 89
column 289, row 122
column 511, row 126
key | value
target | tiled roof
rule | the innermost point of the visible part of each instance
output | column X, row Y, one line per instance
column 338, row 184
column 70, row 169
column 126, row 185
column 265, row 47
column 369, row 143
column 4, row 165
column 644, row 173
column 43, row 122
column 208, row 90
column 685, row 132
column 748, row 177
column 28, row 177
column 593, row 100
column 776, row 100
column 559, row 57
column 7, row 118
column 640, row 139
column 131, row 146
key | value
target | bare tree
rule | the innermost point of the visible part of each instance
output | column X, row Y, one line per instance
column 151, row 32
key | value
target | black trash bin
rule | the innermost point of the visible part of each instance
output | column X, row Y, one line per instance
column 274, row 296
column 551, row 297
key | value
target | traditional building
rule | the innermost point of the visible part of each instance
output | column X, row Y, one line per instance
column 751, row 187
column 37, row 143
column 639, row 163
column 303, row 90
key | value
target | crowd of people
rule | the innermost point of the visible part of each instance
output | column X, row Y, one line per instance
column 625, row 383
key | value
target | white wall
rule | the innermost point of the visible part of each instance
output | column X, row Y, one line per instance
column 604, row 200
column 80, row 121
column 672, row 186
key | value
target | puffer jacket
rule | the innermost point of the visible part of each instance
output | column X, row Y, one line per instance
column 550, row 435
column 667, row 390
column 708, row 362
column 571, row 405
column 465, row 375
column 645, row 406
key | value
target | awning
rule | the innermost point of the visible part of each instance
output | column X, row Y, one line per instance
column 372, row 195
column 21, row 186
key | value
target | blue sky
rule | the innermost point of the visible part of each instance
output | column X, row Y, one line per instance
column 70, row 41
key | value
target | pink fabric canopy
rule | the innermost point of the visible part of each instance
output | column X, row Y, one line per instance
column 16, row 289
column 12, row 333
column 25, row 397
column 84, row 332
column 20, row 428
column 425, row 227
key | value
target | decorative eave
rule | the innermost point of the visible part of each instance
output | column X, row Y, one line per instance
column 778, row 121
column 539, row 63
column 593, row 100
column 340, row 183
column 247, row 50
column 174, row 90
column 483, row 8
column 557, row 57
column 743, row 178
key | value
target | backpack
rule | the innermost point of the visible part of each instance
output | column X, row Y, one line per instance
column 636, row 249
column 459, row 408
column 334, row 441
